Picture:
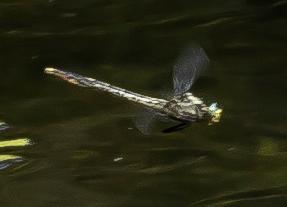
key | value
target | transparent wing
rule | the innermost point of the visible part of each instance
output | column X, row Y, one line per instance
column 144, row 121
column 191, row 63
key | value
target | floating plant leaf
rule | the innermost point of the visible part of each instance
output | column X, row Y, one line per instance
column 7, row 160
column 20, row 142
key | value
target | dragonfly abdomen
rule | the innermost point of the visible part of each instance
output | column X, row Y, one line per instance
column 87, row 82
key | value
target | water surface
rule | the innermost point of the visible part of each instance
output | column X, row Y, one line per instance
column 86, row 151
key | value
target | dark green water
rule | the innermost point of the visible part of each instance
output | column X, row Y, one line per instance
column 77, row 133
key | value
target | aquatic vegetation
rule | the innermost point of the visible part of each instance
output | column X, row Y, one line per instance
column 19, row 142
column 6, row 160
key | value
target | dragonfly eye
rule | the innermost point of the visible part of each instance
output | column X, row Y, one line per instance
column 213, row 107
column 215, row 112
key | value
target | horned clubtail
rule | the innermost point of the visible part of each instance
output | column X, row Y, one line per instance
column 183, row 106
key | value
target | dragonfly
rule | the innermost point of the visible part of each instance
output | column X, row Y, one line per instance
column 182, row 106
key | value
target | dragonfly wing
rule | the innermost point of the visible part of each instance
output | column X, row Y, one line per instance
column 191, row 63
column 144, row 121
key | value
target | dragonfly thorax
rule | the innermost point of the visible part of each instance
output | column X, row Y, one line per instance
column 186, row 107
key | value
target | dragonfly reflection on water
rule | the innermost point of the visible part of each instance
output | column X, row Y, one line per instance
column 182, row 107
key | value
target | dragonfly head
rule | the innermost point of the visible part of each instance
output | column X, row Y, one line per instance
column 215, row 113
